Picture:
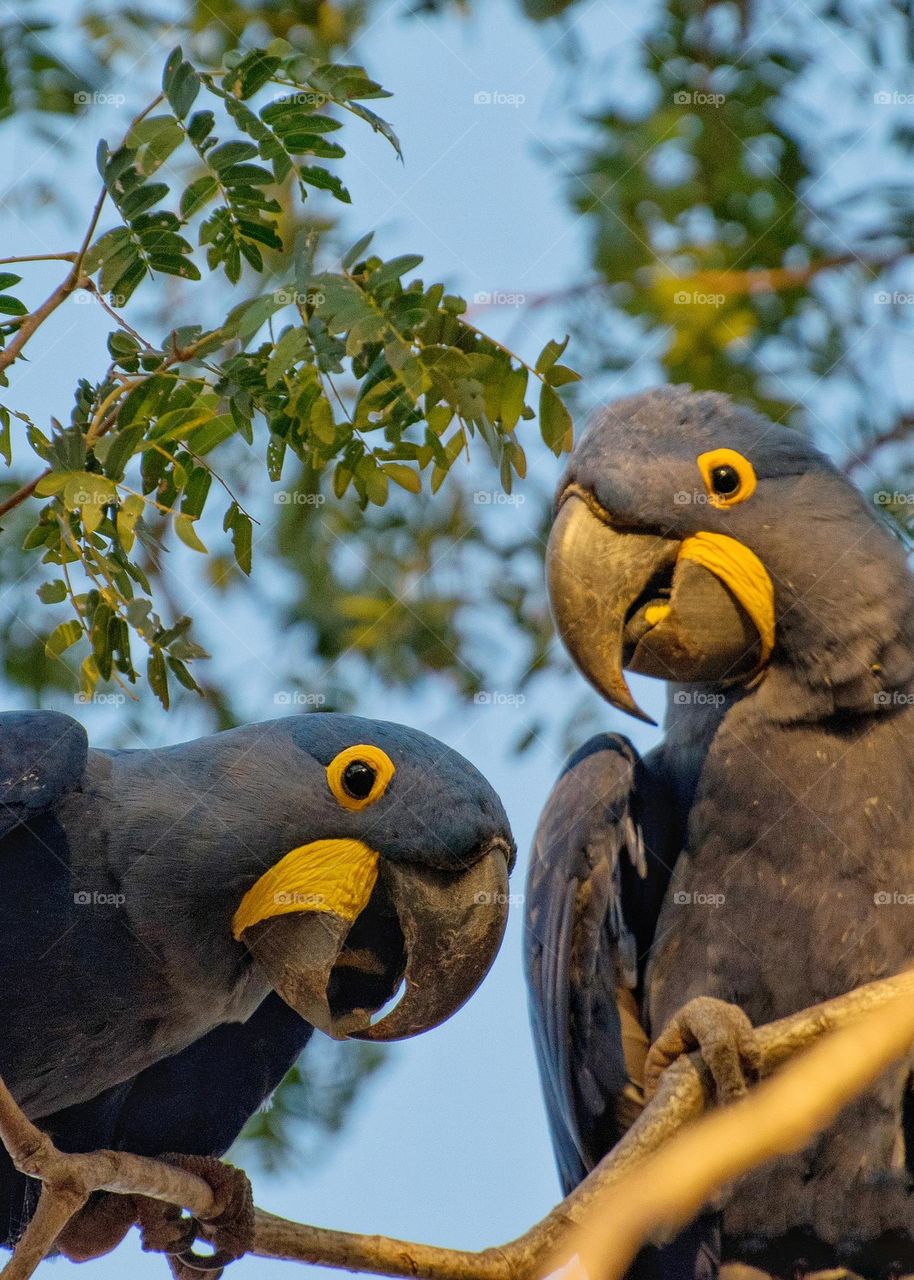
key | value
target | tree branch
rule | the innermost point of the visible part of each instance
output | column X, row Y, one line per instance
column 897, row 434
column 669, row 1188
column 652, row 1181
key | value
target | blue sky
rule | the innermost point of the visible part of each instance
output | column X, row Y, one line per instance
column 449, row 1144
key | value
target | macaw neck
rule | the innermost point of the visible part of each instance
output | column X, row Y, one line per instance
column 845, row 649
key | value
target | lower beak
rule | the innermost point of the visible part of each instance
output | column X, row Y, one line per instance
column 339, row 949
column 698, row 609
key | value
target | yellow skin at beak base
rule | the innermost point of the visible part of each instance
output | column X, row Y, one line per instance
column 741, row 570
column 336, row 876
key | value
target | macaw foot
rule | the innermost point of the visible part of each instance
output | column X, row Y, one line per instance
column 164, row 1228
column 723, row 1035
column 98, row 1228
column 230, row 1230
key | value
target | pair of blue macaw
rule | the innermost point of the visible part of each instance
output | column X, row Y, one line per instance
column 177, row 922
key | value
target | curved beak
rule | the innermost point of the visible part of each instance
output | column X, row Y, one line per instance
column 453, row 927
column 339, row 963
column 698, row 609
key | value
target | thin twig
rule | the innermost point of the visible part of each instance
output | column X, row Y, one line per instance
column 116, row 316
column 38, row 257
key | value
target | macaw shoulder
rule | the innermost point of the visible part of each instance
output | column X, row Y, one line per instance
column 43, row 757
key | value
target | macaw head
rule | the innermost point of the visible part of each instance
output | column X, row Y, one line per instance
column 335, row 859
column 696, row 541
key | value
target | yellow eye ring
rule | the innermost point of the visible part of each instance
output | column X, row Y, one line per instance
column 729, row 477
column 359, row 775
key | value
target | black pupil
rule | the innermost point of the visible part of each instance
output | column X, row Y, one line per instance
column 725, row 480
column 358, row 779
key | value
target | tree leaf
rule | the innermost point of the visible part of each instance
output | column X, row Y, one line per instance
column 62, row 638
column 555, row 420
column 184, row 528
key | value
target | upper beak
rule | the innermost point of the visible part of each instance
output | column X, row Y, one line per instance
column 698, row 609
column 338, row 958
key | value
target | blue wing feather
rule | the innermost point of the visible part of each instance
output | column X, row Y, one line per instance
column 592, row 894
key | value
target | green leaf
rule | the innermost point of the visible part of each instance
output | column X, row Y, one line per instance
column 403, row 476
column 180, row 83
column 157, row 675
column 291, row 346
column 560, row 374
column 353, row 255
column 6, row 447
column 10, row 306
column 128, row 514
column 62, row 638
column 513, row 390
column 196, row 492
column 315, row 176
column 251, row 73
column 555, row 420
column 242, row 538
column 182, row 675
column 549, row 354
column 184, row 528
column 229, row 153
column 123, row 446
column 198, row 194
column 154, row 139
column 392, row 270
column 52, row 592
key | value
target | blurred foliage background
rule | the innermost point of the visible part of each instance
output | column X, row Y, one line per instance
column 746, row 189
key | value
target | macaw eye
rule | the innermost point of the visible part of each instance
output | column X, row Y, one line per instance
column 359, row 775
column 725, row 480
column 358, row 779
column 729, row 477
